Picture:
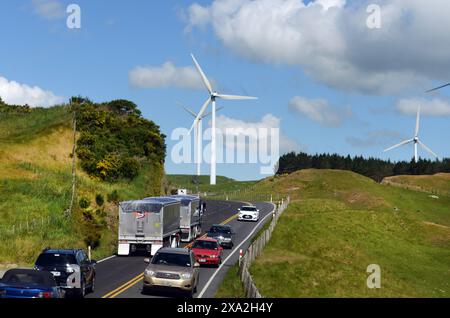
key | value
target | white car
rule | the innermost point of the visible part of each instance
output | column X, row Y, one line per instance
column 248, row 213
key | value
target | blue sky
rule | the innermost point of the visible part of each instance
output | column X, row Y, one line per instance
column 345, row 103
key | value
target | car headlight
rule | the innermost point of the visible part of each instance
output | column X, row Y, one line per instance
column 186, row 276
column 70, row 270
column 149, row 272
column 213, row 256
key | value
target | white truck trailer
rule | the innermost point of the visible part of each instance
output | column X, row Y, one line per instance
column 190, row 216
column 150, row 223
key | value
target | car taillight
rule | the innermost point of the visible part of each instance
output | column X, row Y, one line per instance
column 45, row 295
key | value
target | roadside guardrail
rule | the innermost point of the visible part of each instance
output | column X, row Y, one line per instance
column 255, row 249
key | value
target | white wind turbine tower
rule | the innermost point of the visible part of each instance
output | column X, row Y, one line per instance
column 213, row 95
column 415, row 140
column 198, row 136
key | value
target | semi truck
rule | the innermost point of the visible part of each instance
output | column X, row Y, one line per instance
column 191, row 212
column 150, row 223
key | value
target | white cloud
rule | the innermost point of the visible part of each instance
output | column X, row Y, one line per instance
column 232, row 126
column 429, row 107
column 198, row 16
column 319, row 110
column 326, row 4
column 166, row 75
column 20, row 94
column 330, row 41
column 48, row 9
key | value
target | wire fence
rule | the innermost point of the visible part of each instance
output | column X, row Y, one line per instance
column 254, row 250
column 250, row 194
column 32, row 226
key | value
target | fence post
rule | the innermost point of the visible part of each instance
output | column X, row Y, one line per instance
column 241, row 253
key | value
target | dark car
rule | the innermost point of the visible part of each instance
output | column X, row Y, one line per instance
column 223, row 234
column 72, row 269
column 29, row 283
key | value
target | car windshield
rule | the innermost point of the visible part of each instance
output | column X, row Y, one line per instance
column 248, row 208
column 55, row 259
column 172, row 259
column 26, row 279
column 206, row 245
column 220, row 230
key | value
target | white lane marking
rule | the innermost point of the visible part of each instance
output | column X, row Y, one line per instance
column 234, row 251
column 105, row 259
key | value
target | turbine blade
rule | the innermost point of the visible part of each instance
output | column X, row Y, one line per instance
column 187, row 109
column 427, row 149
column 200, row 114
column 235, row 97
column 399, row 145
column 436, row 88
column 203, row 76
column 209, row 113
column 417, row 123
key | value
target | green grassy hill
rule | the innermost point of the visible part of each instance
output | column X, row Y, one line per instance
column 224, row 184
column 35, row 189
column 436, row 184
column 340, row 222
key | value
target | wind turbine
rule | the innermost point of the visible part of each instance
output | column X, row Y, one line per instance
column 435, row 89
column 415, row 140
column 198, row 135
column 213, row 95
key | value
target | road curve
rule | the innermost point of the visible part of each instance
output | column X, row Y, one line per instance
column 121, row 277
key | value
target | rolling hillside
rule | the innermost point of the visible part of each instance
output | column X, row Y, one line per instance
column 224, row 184
column 338, row 223
column 35, row 189
column 435, row 184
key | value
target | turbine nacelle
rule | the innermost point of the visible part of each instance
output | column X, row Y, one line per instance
column 415, row 141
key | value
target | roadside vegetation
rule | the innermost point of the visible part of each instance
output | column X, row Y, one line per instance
column 36, row 183
column 115, row 141
column 337, row 224
column 231, row 286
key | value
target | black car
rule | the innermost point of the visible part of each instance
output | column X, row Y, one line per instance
column 29, row 283
column 72, row 269
column 223, row 234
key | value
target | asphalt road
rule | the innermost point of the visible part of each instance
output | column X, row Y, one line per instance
column 121, row 277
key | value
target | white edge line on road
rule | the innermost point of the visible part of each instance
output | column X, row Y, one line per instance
column 105, row 259
column 232, row 253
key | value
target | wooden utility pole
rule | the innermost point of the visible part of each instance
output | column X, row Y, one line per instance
column 74, row 169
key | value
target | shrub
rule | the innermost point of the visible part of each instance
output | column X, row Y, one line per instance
column 108, row 169
column 129, row 168
column 113, row 197
column 115, row 138
column 84, row 203
column 99, row 199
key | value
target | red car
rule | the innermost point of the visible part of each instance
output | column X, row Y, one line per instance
column 207, row 251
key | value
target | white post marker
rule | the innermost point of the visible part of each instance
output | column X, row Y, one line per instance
column 89, row 252
column 241, row 254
